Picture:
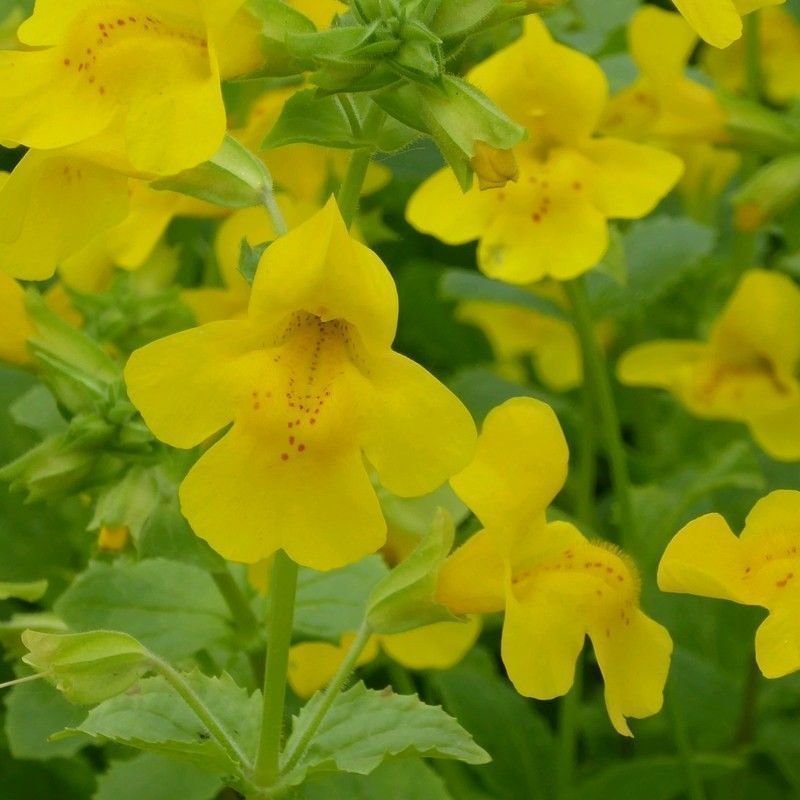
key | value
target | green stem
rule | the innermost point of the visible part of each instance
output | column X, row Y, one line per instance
column 204, row 714
column 596, row 379
column 587, row 464
column 275, row 213
column 37, row 676
column 283, row 589
column 694, row 785
column 747, row 721
column 353, row 183
column 243, row 616
column 329, row 696
column 401, row 681
column 568, row 728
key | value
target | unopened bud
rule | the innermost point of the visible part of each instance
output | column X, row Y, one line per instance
column 494, row 167
column 113, row 538
column 772, row 190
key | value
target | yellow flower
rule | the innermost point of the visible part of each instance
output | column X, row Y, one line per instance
column 248, row 224
column 779, row 58
column 555, row 586
column 135, row 85
column 51, row 206
column 15, row 327
column 719, row 22
column 438, row 646
column 759, row 568
column 554, row 220
column 663, row 105
column 113, row 538
column 746, row 372
column 313, row 388
column 302, row 171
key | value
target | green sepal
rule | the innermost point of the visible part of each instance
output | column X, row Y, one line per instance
column 233, row 178
column 279, row 20
column 87, row 668
column 405, row 598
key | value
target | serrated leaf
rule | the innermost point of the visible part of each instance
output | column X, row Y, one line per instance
column 330, row 604
column 156, row 778
column 463, row 284
column 156, row 719
column 364, row 728
column 404, row 599
column 30, row 592
column 173, row 609
column 87, row 667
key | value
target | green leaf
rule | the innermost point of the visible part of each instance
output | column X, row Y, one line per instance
column 37, row 410
column 36, row 780
column 415, row 515
column 156, row 778
column 404, row 599
column 127, row 502
column 157, row 720
column 506, row 725
column 233, row 178
column 332, row 603
column 364, row 728
column 654, row 777
column 464, row 284
column 87, row 667
column 35, row 711
column 173, row 609
column 393, row 780
column 455, row 18
column 30, row 592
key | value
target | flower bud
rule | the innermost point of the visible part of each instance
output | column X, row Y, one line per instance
column 494, row 167
column 770, row 192
column 113, row 538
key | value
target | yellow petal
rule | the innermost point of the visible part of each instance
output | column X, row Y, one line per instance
column 15, row 327
column 634, row 656
column 542, row 638
column 661, row 44
column 319, row 506
column 418, row 433
column 717, row 21
column 439, row 207
column 313, row 664
column 778, row 433
column 438, row 646
column 320, row 12
column 557, row 93
column 321, row 269
column 775, row 516
column 188, row 385
column 662, row 364
column 471, row 581
column 212, row 305
column 630, row 179
column 51, row 206
column 519, row 467
column 778, row 640
column 705, row 558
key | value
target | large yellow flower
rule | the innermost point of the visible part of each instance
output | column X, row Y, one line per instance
column 438, row 646
column 555, row 586
column 313, row 389
column 15, row 327
column 719, row 22
column 664, row 105
column 554, row 220
column 134, row 84
column 759, row 568
column 746, row 372
column 779, row 58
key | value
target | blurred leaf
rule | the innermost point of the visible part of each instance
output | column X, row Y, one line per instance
column 173, row 609
column 35, row 711
column 364, row 728
column 400, row 780
column 505, row 725
column 30, row 592
column 332, row 603
column 153, row 777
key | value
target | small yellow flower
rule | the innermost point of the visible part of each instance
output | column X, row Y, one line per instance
column 15, row 326
column 135, row 85
column 719, row 22
column 554, row 220
column 746, row 372
column 313, row 388
column 779, row 58
column 494, row 168
column 555, row 586
column 438, row 646
column 663, row 105
column 759, row 568
column 113, row 538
